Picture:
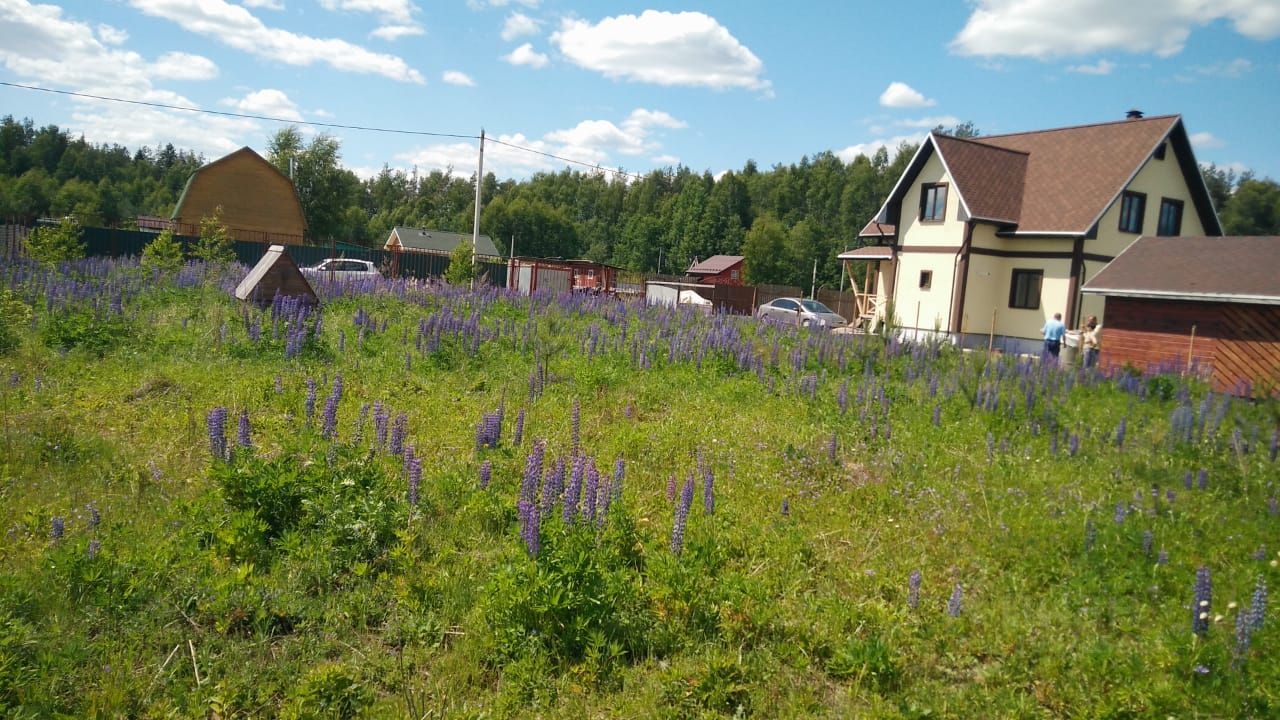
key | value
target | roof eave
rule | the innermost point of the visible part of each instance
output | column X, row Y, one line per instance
column 1147, row 294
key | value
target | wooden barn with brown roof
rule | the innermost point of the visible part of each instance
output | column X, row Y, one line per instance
column 1200, row 304
column 718, row 270
column 259, row 203
column 984, row 239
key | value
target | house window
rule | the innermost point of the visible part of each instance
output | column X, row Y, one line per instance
column 933, row 202
column 1132, row 207
column 1024, row 289
column 733, row 274
column 1159, row 153
column 1170, row 217
column 926, row 279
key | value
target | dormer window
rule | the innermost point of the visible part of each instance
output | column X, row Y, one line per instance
column 933, row 202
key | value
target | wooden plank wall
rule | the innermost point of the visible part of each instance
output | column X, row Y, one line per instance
column 1234, row 344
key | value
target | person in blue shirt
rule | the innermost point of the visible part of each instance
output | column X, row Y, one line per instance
column 1053, row 332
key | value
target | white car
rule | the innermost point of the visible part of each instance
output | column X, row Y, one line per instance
column 802, row 312
column 342, row 269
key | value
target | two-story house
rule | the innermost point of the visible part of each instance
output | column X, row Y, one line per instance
column 984, row 239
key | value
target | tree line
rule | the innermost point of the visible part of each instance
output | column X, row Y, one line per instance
column 783, row 218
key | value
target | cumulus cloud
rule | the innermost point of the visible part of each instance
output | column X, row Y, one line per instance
column 1059, row 28
column 598, row 142
column 687, row 49
column 482, row 4
column 1224, row 69
column 670, row 161
column 267, row 102
column 518, row 25
column 902, row 95
column 395, row 32
column 526, row 55
column 1102, row 67
column 238, row 28
column 870, row 147
column 184, row 66
column 392, row 11
column 112, row 35
column 927, row 123
column 457, row 77
column 1205, row 141
column 264, row 4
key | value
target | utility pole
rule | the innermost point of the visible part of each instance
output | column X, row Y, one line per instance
column 475, row 227
column 813, row 287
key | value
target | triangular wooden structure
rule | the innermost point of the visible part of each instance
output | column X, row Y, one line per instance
column 276, row 273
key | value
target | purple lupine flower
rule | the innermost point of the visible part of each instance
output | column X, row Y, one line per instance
column 533, row 471
column 529, row 526
column 671, row 487
column 94, row 547
column 786, row 505
column 1203, row 479
column 1162, row 558
column 1147, row 540
column 408, row 458
column 1273, row 507
column 1073, row 445
column 217, row 425
column 576, row 425
column 1244, row 637
column 1258, row 604
column 553, row 487
column 95, row 518
column 1170, row 495
column 842, row 397
column 913, row 590
column 1186, row 480
column 398, row 428
column 486, row 473
column 1122, row 511
column 937, row 419
column 363, row 418
column 243, row 438
column 519, row 433
column 311, row 400
column 681, row 517
column 1275, row 444
column 708, row 490
column 1053, row 444
column 1120, row 431
column 1200, row 606
column 380, row 418
column 574, row 491
column 329, row 429
column 953, row 604
column 590, row 495
column 619, row 472
column 415, row 480
column 156, row 475
column 57, row 527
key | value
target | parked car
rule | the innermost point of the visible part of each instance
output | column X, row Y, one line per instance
column 342, row 269
column 801, row 311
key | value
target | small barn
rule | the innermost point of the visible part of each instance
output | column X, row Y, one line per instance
column 529, row 274
column 259, row 203
column 1209, row 305
column 436, row 242
column 275, row 274
column 718, row 270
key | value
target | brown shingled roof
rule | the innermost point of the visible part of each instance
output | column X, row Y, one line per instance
column 990, row 179
column 715, row 264
column 875, row 229
column 1234, row 269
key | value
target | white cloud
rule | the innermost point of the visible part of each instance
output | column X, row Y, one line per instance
column 184, row 66
column 392, row 11
column 902, row 95
column 267, row 102
column 870, row 147
column 1102, row 67
column 1205, row 141
column 1057, row 28
column 395, row 32
column 526, row 55
column 112, row 35
column 1224, row 69
column 264, row 4
column 926, row 123
column 687, row 49
column 671, row 161
column 457, row 77
column 518, row 25
column 597, row 142
column 238, row 28
column 482, row 4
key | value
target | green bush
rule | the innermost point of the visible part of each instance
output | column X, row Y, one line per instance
column 460, row 270
column 215, row 245
column 328, row 691
column 86, row 330
column 14, row 314
column 50, row 245
column 163, row 253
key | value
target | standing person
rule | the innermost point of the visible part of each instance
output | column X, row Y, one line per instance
column 1053, row 332
column 1091, row 339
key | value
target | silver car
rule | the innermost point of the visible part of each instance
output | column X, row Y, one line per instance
column 342, row 269
column 802, row 312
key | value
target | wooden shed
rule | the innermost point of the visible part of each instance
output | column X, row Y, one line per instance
column 718, row 270
column 275, row 274
column 259, row 203
column 1209, row 305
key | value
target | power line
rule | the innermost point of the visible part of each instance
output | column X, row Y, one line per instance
column 340, row 126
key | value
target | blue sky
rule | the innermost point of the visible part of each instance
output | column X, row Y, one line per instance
column 641, row 85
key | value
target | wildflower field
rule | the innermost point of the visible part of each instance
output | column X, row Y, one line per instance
column 419, row 501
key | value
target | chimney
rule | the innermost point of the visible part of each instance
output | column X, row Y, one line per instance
column 1134, row 114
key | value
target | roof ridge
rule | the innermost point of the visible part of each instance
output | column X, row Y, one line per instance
column 1123, row 121
column 978, row 141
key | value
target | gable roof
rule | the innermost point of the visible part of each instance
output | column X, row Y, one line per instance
column 1230, row 269
column 437, row 241
column 715, row 264
column 245, row 151
column 1054, row 182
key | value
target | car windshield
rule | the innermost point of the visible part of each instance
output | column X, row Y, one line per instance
column 814, row 306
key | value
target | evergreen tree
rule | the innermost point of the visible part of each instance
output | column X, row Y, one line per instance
column 163, row 253
column 215, row 244
column 52, row 245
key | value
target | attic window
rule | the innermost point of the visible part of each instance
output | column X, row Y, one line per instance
column 926, row 279
column 1159, row 153
column 1132, row 207
column 933, row 202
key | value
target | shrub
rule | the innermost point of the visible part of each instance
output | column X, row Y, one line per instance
column 50, row 245
column 86, row 330
column 13, row 314
column 215, row 245
column 163, row 254
column 460, row 270
column 329, row 690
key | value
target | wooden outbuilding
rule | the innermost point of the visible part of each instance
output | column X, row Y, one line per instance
column 1207, row 305
column 259, row 203
column 275, row 274
column 718, row 270
column 530, row 274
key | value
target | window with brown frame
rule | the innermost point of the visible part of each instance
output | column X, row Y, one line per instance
column 1024, row 289
column 1132, row 207
column 1170, row 217
column 933, row 202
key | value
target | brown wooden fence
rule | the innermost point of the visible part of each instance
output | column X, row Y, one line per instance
column 844, row 303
